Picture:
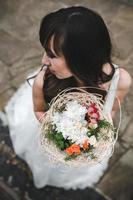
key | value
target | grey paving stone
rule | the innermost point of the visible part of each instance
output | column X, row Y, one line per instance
column 128, row 102
column 128, row 135
column 20, row 26
column 130, row 63
column 115, row 27
column 118, row 152
column 129, row 2
column 124, row 16
column 124, row 44
column 4, row 77
column 118, row 182
column 31, row 59
column 109, row 10
column 7, row 8
column 123, row 120
column 5, row 96
column 122, row 24
column 21, row 78
column 12, row 48
column 36, row 10
column 93, row 4
column 6, row 193
column 29, row 14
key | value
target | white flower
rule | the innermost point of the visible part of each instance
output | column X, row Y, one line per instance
column 91, row 125
column 71, row 122
column 75, row 111
column 56, row 118
column 92, row 140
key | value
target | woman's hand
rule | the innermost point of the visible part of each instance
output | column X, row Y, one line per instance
column 40, row 116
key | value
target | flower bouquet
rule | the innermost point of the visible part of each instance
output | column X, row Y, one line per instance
column 75, row 129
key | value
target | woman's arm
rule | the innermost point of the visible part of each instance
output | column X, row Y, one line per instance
column 39, row 104
column 123, row 88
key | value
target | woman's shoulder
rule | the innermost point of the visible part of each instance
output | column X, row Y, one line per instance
column 125, row 79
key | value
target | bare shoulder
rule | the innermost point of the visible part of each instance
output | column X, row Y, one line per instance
column 124, row 84
column 125, row 80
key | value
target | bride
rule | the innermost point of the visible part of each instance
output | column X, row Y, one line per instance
column 77, row 53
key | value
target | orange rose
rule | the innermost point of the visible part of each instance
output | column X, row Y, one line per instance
column 73, row 149
column 86, row 144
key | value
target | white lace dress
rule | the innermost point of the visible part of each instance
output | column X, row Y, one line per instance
column 24, row 131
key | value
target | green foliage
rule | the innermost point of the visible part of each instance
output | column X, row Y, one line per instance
column 58, row 139
column 62, row 143
column 104, row 124
column 92, row 131
column 101, row 124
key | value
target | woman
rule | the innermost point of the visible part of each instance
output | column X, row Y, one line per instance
column 77, row 53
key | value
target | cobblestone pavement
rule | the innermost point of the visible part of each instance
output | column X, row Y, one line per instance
column 21, row 53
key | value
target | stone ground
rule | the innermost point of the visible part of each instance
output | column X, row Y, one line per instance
column 20, row 54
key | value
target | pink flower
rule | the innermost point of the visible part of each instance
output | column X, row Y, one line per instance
column 95, row 116
column 93, row 121
column 90, row 110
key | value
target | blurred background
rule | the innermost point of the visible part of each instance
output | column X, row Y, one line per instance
column 20, row 54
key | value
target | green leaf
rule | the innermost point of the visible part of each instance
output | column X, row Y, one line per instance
column 60, row 144
column 104, row 124
column 59, row 136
